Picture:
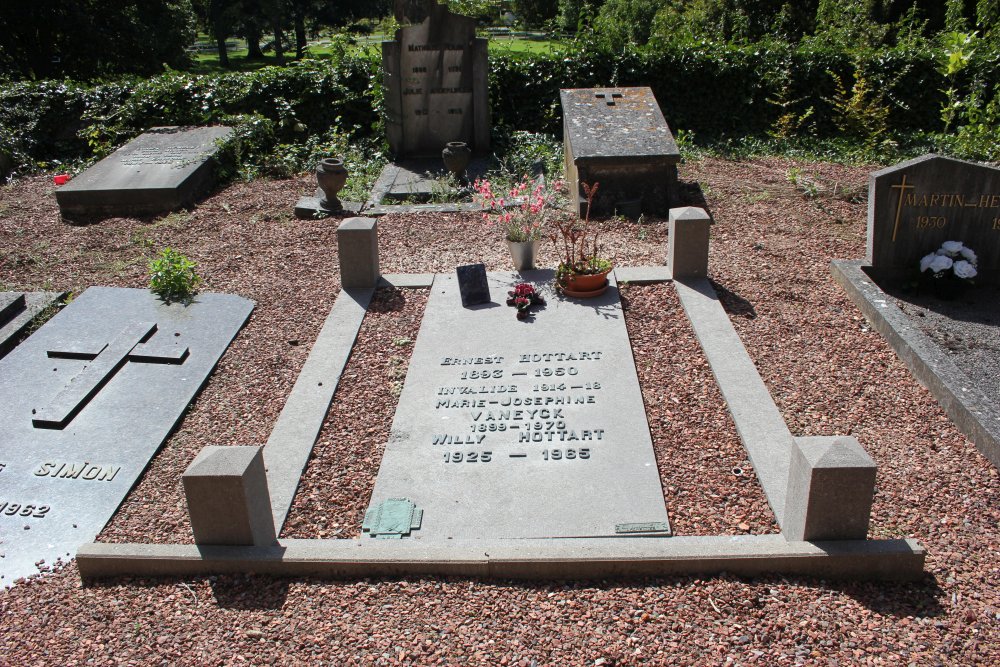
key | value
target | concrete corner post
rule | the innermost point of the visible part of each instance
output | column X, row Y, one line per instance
column 687, row 245
column 831, row 482
column 357, row 248
column 226, row 490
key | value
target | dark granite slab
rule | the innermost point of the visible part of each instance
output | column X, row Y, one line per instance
column 17, row 311
column 473, row 286
column 87, row 401
column 915, row 206
column 161, row 170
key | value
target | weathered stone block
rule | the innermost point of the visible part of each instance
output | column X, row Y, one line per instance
column 226, row 489
column 357, row 247
column 687, row 245
column 831, row 482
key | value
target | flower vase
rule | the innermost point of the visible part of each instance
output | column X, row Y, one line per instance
column 331, row 176
column 523, row 254
column 456, row 156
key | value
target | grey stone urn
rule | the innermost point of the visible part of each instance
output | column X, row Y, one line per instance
column 331, row 176
column 456, row 156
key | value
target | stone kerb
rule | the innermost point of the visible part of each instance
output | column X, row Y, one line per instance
column 831, row 483
column 357, row 249
column 227, row 497
column 687, row 244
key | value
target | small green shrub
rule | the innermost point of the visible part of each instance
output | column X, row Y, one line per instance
column 172, row 276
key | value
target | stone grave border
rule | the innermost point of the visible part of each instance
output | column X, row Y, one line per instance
column 975, row 415
column 773, row 452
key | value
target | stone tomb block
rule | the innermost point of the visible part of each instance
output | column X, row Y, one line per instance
column 618, row 138
column 436, row 86
column 86, row 402
column 161, row 170
column 915, row 206
column 508, row 429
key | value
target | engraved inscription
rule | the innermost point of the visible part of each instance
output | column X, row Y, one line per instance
column 85, row 471
column 8, row 508
column 172, row 155
column 2, row 466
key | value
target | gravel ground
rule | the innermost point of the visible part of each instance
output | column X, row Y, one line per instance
column 968, row 329
column 827, row 370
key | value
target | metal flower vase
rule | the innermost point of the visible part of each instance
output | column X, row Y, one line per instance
column 331, row 177
column 523, row 254
column 457, row 155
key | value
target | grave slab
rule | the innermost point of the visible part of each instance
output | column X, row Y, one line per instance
column 915, row 206
column 618, row 138
column 161, row 170
column 17, row 311
column 87, row 401
column 509, row 429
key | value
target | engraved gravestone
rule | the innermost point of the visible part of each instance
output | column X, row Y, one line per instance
column 915, row 206
column 506, row 429
column 436, row 87
column 86, row 402
column 161, row 170
column 618, row 138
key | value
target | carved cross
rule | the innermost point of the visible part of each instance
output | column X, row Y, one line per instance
column 611, row 100
column 130, row 345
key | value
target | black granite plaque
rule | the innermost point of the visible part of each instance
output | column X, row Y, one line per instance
column 915, row 206
column 85, row 403
column 472, row 284
column 162, row 170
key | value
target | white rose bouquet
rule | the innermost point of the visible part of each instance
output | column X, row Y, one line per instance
column 952, row 259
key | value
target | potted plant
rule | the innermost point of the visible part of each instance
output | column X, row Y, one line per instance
column 950, row 269
column 582, row 271
column 521, row 216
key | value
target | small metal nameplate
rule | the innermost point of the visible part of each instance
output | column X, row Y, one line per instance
column 647, row 527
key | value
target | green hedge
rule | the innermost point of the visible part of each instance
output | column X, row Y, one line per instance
column 712, row 90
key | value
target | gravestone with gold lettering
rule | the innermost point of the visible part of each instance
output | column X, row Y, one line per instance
column 161, row 170
column 915, row 206
column 436, row 86
column 86, row 402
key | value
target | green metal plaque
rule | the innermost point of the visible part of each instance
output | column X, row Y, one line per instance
column 657, row 527
column 392, row 519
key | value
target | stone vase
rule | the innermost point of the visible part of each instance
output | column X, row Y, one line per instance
column 523, row 254
column 456, row 156
column 331, row 177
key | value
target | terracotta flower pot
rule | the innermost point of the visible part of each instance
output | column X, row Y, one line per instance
column 585, row 284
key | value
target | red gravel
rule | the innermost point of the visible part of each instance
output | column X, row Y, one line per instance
column 826, row 369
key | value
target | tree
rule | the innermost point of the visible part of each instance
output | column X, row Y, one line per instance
column 535, row 13
column 90, row 38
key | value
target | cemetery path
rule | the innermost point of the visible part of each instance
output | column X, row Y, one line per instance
column 775, row 232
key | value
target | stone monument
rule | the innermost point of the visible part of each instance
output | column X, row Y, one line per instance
column 915, row 206
column 617, row 137
column 436, row 86
column 87, row 401
column 161, row 170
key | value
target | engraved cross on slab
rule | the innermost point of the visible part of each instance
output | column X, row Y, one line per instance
column 611, row 100
column 132, row 344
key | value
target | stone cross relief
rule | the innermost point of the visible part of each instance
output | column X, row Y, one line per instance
column 611, row 100
column 132, row 344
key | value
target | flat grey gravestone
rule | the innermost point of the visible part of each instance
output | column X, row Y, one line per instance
column 915, row 206
column 511, row 429
column 161, row 170
column 87, row 401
